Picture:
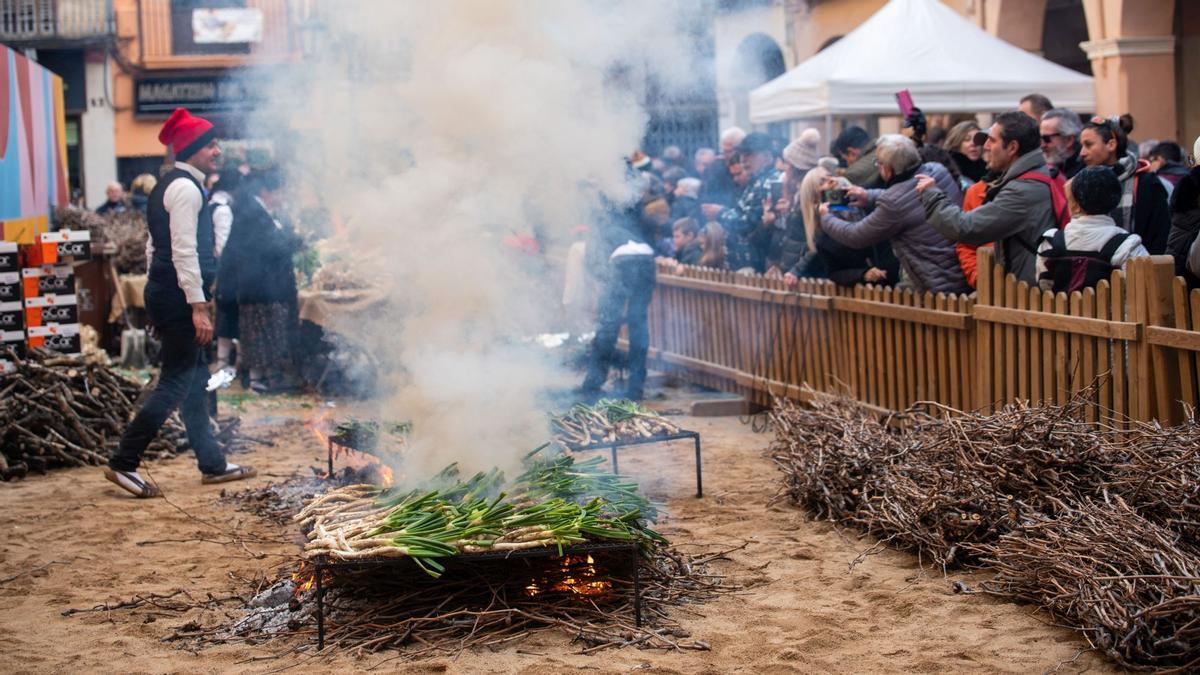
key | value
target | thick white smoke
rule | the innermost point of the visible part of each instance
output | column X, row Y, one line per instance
column 435, row 130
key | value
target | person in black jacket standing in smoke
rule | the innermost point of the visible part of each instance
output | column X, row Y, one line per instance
column 182, row 268
column 626, row 274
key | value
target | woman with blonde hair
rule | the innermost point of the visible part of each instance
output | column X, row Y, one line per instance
column 827, row 258
column 139, row 191
column 712, row 246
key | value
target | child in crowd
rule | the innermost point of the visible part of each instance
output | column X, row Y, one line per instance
column 687, row 246
column 1091, row 245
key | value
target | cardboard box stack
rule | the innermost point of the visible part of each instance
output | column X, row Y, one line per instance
column 38, row 304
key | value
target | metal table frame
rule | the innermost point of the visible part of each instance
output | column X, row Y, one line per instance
column 323, row 563
column 615, row 445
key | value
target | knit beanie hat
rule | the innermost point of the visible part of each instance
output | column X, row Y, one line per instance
column 802, row 152
column 1096, row 190
column 186, row 133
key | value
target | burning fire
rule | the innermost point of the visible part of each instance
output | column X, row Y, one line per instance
column 303, row 579
column 319, row 427
column 577, row 576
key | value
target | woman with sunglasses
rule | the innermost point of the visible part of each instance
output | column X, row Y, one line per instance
column 1142, row 208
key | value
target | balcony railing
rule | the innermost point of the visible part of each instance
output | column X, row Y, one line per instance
column 157, row 31
column 49, row 23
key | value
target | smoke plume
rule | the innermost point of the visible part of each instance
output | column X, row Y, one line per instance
column 436, row 132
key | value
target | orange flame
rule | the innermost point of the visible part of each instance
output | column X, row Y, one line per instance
column 578, row 576
column 386, row 478
column 303, row 579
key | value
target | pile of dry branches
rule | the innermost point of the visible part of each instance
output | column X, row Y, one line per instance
column 1124, row 582
column 1098, row 526
column 944, row 481
column 125, row 231
column 58, row 411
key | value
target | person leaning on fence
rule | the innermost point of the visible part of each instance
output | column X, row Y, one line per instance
column 750, row 237
column 801, row 156
column 841, row 264
column 687, row 243
column 1143, row 208
column 1092, row 245
column 895, row 214
column 1017, row 209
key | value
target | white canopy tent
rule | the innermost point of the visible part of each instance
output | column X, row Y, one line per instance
column 948, row 64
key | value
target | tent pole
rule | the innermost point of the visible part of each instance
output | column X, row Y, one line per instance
column 828, row 131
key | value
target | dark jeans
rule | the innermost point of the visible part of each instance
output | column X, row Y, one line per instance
column 625, row 299
column 181, row 384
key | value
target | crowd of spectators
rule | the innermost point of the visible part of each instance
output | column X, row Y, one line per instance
column 1063, row 201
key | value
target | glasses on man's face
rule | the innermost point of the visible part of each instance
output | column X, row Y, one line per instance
column 1047, row 139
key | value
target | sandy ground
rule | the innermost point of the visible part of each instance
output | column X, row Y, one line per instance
column 805, row 609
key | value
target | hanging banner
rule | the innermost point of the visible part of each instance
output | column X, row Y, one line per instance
column 226, row 26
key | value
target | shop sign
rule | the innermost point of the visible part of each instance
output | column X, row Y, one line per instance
column 160, row 96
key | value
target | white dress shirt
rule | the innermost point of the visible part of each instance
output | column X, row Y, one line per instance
column 183, row 201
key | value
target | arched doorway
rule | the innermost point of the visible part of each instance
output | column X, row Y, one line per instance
column 1064, row 29
column 757, row 60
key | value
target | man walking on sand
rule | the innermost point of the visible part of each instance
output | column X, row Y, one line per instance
column 182, row 269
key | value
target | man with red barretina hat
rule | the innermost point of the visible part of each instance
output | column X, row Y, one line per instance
column 182, row 269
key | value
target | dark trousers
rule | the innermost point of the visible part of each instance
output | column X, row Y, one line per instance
column 625, row 299
column 181, row 384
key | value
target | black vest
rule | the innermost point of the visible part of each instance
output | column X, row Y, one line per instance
column 162, row 269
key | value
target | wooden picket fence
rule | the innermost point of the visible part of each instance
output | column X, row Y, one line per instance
column 1133, row 342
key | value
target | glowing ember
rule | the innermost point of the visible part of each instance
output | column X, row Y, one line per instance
column 578, row 577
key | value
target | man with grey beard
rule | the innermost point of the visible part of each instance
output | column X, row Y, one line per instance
column 1060, row 141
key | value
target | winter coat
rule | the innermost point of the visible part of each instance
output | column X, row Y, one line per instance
column 750, row 240
column 863, row 171
column 686, row 207
column 138, row 202
column 795, row 239
column 846, row 266
column 1185, row 224
column 1150, row 213
column 265, row 273
column 691, row 253
column 1091, row 233
column 896, row 215
column 1172, row 173
column 717, row 186
column 617, row 227
column 972, row 170
column 1015, row 216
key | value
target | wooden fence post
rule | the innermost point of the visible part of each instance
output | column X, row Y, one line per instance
column 1160, row 303
column 985, row 353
